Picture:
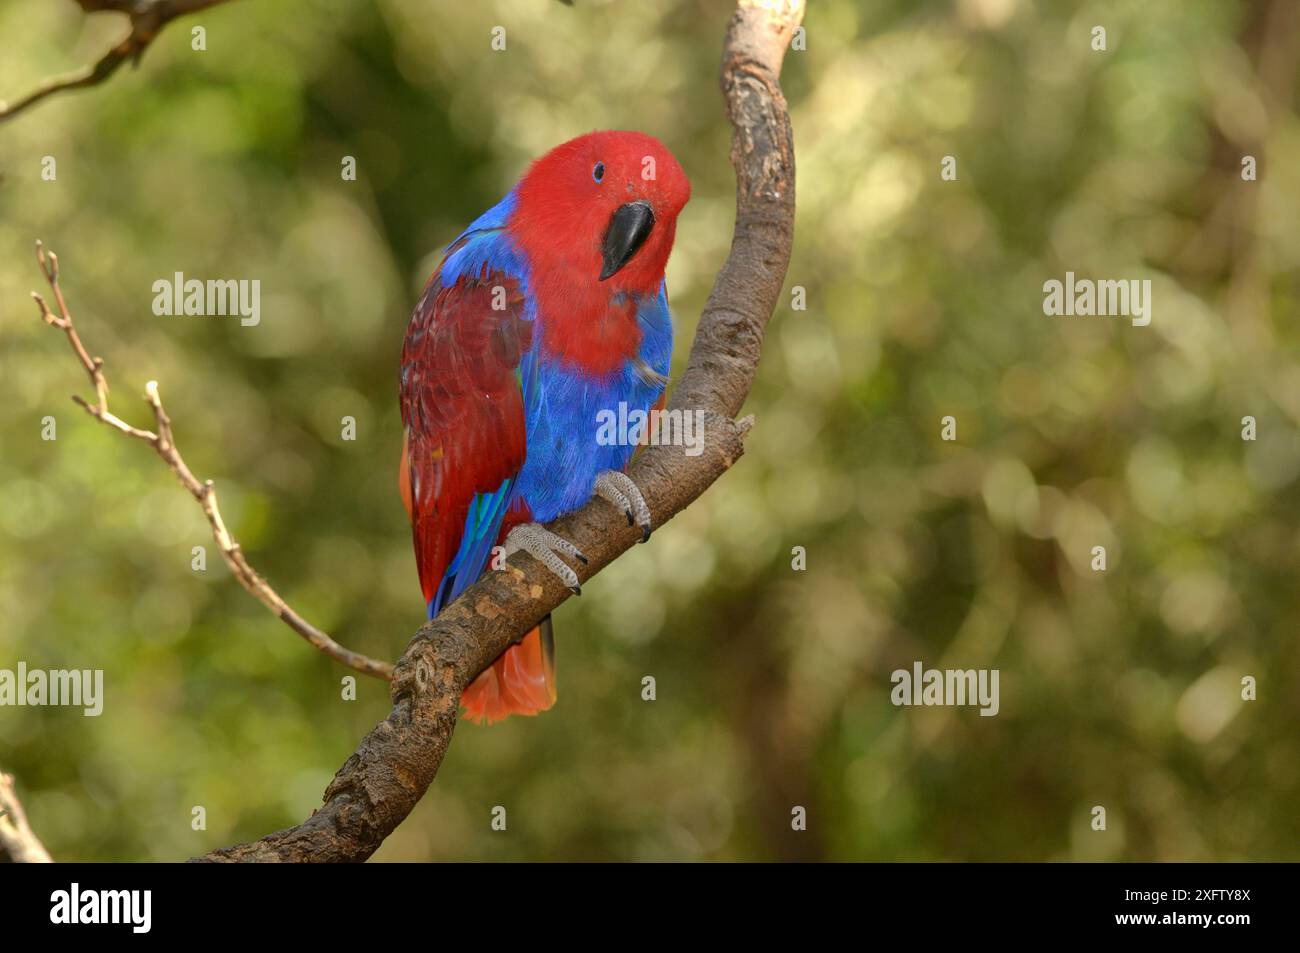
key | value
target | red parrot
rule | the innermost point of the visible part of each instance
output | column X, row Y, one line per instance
column 547, row 313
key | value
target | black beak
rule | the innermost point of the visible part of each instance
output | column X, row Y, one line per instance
column 627, row 232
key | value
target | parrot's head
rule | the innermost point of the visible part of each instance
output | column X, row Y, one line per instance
column 604, row 208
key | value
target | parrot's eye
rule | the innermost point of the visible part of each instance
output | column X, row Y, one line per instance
column 598, row 172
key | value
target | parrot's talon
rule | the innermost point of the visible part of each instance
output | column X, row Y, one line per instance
column 617, row 487
column 543, row 545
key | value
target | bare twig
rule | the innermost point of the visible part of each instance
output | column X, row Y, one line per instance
column 16, row 839
column 379, row 785
column 164, row 443
column 147, row 20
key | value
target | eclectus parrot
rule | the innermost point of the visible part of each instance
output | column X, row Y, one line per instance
column 546, row 311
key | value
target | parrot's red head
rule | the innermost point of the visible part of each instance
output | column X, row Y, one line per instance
column 602, row 210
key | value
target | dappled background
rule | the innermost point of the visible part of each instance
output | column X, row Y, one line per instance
column 924, row 299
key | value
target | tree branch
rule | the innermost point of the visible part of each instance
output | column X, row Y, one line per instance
column 382, row 781
column 17, row 842
column 164, row 443
column 147, row 20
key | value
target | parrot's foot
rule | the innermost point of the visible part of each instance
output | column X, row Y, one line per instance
column 540, row 543
column 617, row 487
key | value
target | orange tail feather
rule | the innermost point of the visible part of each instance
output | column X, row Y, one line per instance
column 520, row 682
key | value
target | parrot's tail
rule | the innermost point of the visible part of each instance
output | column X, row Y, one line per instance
column 520, row 682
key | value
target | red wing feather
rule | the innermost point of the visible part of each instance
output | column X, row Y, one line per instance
column 462, row 408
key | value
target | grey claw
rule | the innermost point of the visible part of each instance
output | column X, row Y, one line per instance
column 543, row 545
column 617, row 487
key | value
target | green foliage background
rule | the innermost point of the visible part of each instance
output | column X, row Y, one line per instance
column 924, row 297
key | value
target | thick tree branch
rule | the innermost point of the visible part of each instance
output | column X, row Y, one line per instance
column 147, row 18
column 17, row 842
column 204, row 491
column 378, row 786
column 729, row 340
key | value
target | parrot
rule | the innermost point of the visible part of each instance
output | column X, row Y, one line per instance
column 550, row 309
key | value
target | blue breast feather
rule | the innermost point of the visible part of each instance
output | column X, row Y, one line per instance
column 561, row 407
